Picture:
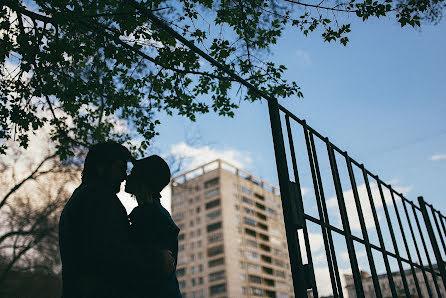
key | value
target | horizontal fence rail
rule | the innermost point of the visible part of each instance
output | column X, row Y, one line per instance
column 357, row 235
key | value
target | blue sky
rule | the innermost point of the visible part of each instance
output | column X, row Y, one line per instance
column 382, row 99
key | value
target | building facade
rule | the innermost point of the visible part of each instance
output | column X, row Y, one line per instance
column 232, row 241
column 369, row 289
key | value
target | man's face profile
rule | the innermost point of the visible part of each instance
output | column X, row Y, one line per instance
column 114, row 174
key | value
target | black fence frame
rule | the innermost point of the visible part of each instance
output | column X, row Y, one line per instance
column 296, row 219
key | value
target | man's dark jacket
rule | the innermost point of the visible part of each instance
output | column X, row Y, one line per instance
column 98, row 257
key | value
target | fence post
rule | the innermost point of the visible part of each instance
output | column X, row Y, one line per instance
column 430, row 231
column 297, row 268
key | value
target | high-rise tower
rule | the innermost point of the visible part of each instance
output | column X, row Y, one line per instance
column 232, row 241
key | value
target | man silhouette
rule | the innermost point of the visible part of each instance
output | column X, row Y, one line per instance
column 98, row 258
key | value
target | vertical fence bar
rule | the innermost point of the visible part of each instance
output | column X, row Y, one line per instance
column 426, row 280
column 378, row 231
column 325, row 212
column 430, row 231
column 414, row 274
column 438, row 228
column 363, row 227
column 297, row 181
column 434, row 278
column 392, row 236
column 440, row 217
column 344, row 217
column 284, row 181
column 320, row 202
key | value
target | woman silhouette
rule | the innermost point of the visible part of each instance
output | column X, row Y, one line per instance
column 151, row 224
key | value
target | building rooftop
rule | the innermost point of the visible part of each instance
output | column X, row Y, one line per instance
column 221, row 164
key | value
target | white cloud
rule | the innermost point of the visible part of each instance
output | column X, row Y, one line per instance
column 197, row 156
column 192, row 158
column 304, row 57
column 438, row 157
column 332, row 203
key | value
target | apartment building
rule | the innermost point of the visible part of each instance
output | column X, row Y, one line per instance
column 232, row 241
column 369, row 289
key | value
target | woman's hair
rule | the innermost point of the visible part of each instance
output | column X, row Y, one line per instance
column 152, row 171
column 103, row 154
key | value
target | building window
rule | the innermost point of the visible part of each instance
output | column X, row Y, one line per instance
column 248, row 201
column 262, row 226
column 211, row 193
column 193, row 283
column 279, row 263
column 246, row 190
column 213, row 227
column 256, row 291
column 181, row 247
column 255, row 279
column 200, row 280
column 182, row 284
column 261, row 216
column 211, row 182
column 280, row 273
column 252, row 255
column 212, row 204
column 249, row 221
column 251, row 243
column 254, row 267
column 216, row 262
column 272, row 211
column 250, row 232
column 191, row 222
column 264, row 237
column 180, row 272
column 261, row 206
column 199, row 243
column 260, row 197
column 200, row 294
column 200, row 268
column 178, row 216
column 216, row 250
column 249, row 211
column 215, row 237
column 217, row 275
column 213, row 215
column 197, row 210
column 217, row 289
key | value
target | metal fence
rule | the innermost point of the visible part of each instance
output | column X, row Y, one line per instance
column 365, row 224
column 391, row 244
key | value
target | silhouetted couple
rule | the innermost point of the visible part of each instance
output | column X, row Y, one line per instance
column 106, row 253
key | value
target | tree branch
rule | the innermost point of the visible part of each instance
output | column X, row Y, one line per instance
column 31, row 176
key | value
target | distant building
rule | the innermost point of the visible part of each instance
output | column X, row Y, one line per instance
column 369, row 289
column 232, row 241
